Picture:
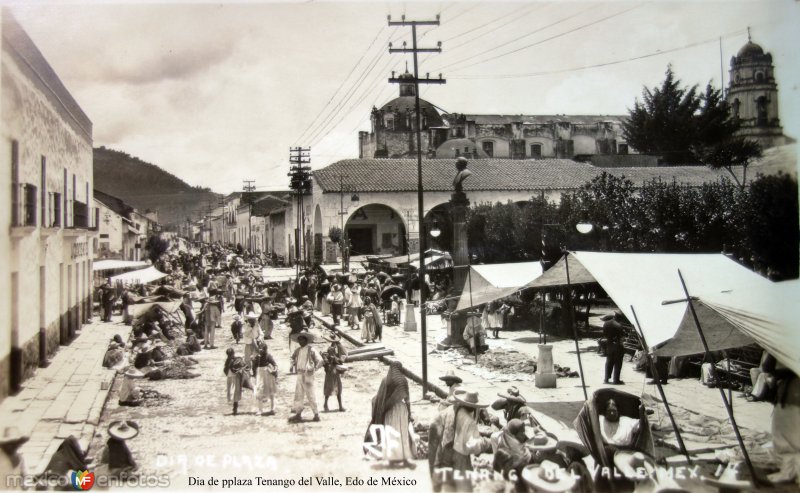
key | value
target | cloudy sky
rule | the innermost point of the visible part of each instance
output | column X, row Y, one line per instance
column 216, row 93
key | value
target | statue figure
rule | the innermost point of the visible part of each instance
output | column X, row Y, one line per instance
column 463, row 174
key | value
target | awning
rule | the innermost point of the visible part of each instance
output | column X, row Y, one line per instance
column 768, row 313
column 101, row 265
column 355, row 268
column 142, row 276
column 557, row 275
column 276, row 274
column 434, row 261
column 491, row 282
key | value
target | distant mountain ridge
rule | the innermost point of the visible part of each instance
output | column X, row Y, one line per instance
column 146, row 186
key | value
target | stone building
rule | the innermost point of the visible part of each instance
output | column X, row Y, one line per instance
column 48, row 195
column 753, row 95
column 118, row 237
column 393, row 133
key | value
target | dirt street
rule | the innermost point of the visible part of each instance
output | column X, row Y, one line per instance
column 191, row 432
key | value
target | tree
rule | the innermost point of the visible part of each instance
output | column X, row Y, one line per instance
column 156, row 246
column 663, row 123
column 685, row 127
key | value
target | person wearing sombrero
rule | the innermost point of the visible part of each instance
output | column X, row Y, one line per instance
column 129, row 395
column 453, row 438
column 391, row 407
column 252, row 333
column 117, row 454
column 336, row 299
column 332, row 359
column 213, row 316
column 515, row 406
column 306, row 361
column 453, row 383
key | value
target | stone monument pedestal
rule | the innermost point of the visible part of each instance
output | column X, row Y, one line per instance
column 410, row 324
column 545, row 374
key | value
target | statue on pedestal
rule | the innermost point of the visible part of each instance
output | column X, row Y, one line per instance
column 462, row 174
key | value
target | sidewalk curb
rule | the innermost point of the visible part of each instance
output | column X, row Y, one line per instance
column 384, row 359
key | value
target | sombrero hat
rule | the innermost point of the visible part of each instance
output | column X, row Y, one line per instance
column 541, row 441
column 132, row 372
column 512, row 395
column 332, row 337
column 123, row 430
column 308, row 336
column 469, row 399
column 450, row 378
column 728, row 479
column 11, row 440
column 251, row 315
column 629, row 461
column 547, row 476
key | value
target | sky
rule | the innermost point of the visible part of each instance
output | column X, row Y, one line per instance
column 217, row 93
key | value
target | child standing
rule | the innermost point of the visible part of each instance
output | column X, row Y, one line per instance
column 236, row 328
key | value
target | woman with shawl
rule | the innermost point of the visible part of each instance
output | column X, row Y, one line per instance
column 391, row 407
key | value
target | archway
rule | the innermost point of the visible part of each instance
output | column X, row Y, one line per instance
column 318, row 236
column 376, row 229
column 441, row 217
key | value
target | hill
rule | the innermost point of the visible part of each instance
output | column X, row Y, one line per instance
column 146, row 186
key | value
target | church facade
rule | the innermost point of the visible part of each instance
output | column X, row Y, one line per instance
column 753, row 96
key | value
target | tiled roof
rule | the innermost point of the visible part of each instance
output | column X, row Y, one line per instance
column 543, row 119
column 400, row 175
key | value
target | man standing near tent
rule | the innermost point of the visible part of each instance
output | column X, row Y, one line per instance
column 612, row 331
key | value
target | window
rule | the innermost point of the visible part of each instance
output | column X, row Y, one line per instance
column 80, row 215
column 44, row 193
column 761, row 111
column 488, row 148
column 15, row 187
column 389, row 123
column 56, row 210
column 622, row 149
column 759, row 76
column 735, row 108
column 536, row 151
column 29, row 205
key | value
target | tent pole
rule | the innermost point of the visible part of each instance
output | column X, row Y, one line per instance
column 721, row 390
column 657, row 378
column 574, row 329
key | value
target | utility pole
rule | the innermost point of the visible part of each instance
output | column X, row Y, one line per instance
column 343, row 241
column 300, row 175
column 249, row 186
column 420, row 203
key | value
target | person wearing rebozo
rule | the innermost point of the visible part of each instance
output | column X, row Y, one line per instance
column 391, row 407
column 617, row 430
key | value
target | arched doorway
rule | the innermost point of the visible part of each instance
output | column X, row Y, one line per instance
column 441, row 217
column 376, row 229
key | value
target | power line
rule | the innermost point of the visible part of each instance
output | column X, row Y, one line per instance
column 331, row 114
column 583, row 26
column 604, row 64
column 484, row 24
column 342, row 83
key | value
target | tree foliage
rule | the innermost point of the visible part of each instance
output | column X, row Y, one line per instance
column 155, row 246
column 756, row 225
column 687, row 127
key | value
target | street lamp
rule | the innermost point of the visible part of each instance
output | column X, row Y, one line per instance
column 435, row 231
column 584, row 227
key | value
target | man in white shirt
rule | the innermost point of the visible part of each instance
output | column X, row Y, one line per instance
column 306, row 360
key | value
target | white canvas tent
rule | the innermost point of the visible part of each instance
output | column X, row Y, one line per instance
column 495, row 281
column 646, row 280
column 768, row 314
column 142, row 276
column 111, row 264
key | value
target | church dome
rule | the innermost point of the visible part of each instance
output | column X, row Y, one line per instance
column 750, row 50
column 406, row 103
